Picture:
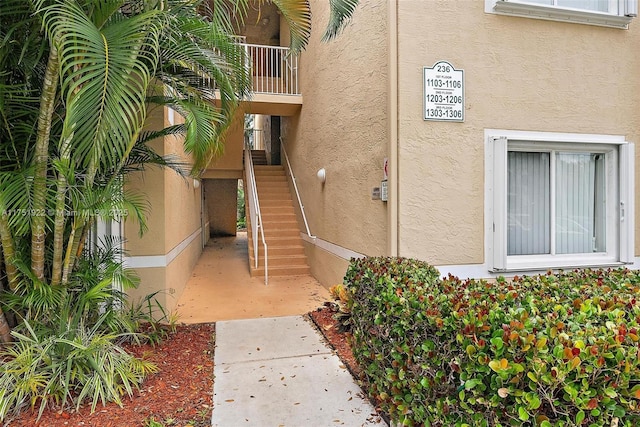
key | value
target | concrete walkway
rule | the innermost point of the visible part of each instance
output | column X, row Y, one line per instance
column 278, row 372
column 272, row 367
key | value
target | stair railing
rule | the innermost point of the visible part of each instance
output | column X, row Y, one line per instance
column 295, row 187
column 251, row 190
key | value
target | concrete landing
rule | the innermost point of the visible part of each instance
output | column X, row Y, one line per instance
column 221, row 288
column 278, row 372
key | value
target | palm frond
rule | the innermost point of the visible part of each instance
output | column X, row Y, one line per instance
column 22, row 53
column 297, row 13
column 223, row 13
column 136, row 207
column 340, row 16
column 105, row 72
column 142, row 155
column 206, row 61
column 16, row 201
column 205, row 126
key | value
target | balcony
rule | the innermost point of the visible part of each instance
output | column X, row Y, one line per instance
column 274, row 69
column 274, row 73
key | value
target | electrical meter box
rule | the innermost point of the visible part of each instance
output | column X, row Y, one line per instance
column 384, row 193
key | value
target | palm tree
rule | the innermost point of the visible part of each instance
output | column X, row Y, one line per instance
column 297, row 14
column 73, row 103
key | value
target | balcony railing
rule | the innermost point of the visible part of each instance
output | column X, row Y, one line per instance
column 273, row 68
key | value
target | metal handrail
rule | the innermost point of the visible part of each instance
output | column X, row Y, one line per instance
column 295, row 187
column 254, row 210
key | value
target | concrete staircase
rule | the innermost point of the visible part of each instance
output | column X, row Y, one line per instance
column 259, row 157
column 281, row 230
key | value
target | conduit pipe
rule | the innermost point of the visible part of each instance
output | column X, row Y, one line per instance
column 393, row 176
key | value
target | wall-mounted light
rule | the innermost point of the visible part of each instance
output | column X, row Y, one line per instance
column 322, row 175
column 196, row 183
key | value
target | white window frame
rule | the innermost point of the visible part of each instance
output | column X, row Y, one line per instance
column 620, row 183
column 621, row 14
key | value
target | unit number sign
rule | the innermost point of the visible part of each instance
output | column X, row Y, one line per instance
column 443, row 93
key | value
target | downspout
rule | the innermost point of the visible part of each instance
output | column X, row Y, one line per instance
column 394, row 187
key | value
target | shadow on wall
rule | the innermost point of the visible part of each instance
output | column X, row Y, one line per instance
column 222, row 206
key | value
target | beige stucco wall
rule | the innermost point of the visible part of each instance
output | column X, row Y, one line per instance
column 520, row 74
column 222, row 206
column 342, row 127
column 146, row 184
column 327, row 268
column 169, row 282
column 230, row 158
column 183, row 207
column 151, row 280
column 166, row 254
column 179, row 271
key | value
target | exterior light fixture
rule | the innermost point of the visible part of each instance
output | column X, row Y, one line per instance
column 196, row 183
column 322, row 175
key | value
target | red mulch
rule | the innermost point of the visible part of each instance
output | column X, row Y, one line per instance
column 180, row 394
column 339, row 341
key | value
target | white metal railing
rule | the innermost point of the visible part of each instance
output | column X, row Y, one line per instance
column 273, row 68
column 251, row 190
column 255, row 138
column 295, row 187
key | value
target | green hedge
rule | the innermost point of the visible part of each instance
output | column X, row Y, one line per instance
column 547, row 350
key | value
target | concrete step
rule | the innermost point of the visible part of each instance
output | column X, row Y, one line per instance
column 269, row 207
column 276, row 209
column 281, row 261
column 285, row 232
column 270, row 227
column 275, row 203
column 280, row 241
column 291, row 250
column 280, row 224
column 275, row 242
column 298, row 270
column 287, row 215
column 273, row 230
column 269, row 189
column 278, row 216
column 269, row 170
column 269, row 192
column 272, row 187
column 269, row 174
column 276, row 233
column 270, row 178
column 274, row 195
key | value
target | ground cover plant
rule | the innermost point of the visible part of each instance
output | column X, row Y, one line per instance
column 172, row 396
column 557, row 349
column 67, row 350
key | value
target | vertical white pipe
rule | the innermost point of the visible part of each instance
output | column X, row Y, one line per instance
column 394, row 163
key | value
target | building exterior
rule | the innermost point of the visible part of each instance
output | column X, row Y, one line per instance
column 526, row 165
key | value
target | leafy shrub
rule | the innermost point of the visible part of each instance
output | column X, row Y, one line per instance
column 549, row 350
column 341, row 307
column 66, row 349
